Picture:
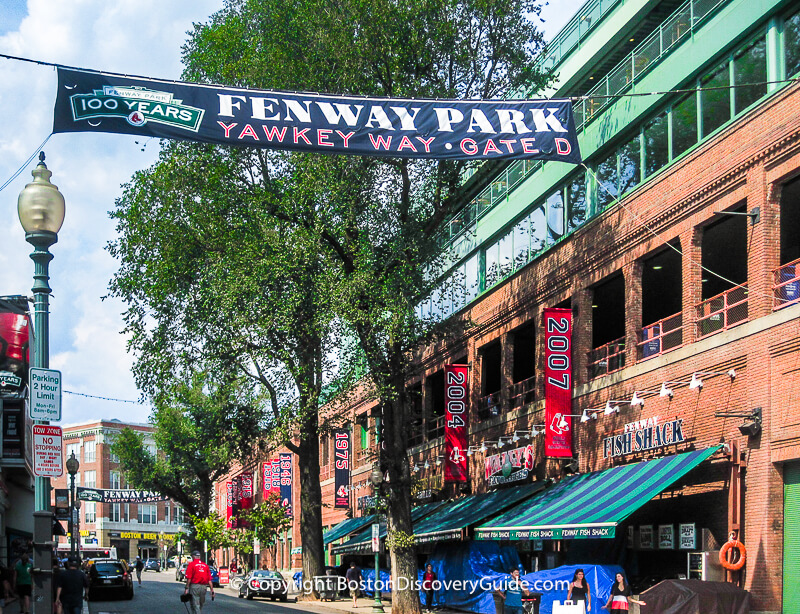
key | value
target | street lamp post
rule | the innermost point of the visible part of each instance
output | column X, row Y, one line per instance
column 72, row 468
column 377, row 479
column 41, row 213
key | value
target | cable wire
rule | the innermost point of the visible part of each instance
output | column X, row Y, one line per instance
column 25, row 164
column 94, row 396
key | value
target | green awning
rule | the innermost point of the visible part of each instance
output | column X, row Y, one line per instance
column 592, row 504
column 363, row 541
column 448, row 523
column 345, row 528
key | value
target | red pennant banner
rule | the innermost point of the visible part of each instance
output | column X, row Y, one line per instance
column 558, row 382
column 456, row 422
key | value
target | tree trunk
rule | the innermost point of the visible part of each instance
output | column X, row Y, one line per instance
column 310, row 503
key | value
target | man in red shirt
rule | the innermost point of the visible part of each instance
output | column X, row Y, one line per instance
column 198, row 577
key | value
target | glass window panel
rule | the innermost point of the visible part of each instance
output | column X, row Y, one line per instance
column 492, row 265
column 90, row 509
column 630, row 165
column 606, row 172
column 716, row 103
column 791, row 37
column 576, row 201
column 538, row 229
column 506, row 256
column 436, row 304
column 656, row 144
column 471, row 274
column 555, row 216
column 89, row 451
column 750, row 66
column 522, row 242
column 90, row 479
column 684, row 125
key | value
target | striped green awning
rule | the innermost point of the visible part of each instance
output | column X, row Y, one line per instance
column 449, row 522
column 345, row 528
column 363, row 541
column 593, row 504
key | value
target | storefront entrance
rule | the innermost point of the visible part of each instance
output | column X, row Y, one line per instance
column 791, row 538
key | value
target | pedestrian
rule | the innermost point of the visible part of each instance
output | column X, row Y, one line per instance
column 198, row 578
column 579, row 590
column 72, row 588
column 511, row 591
column 428, row 578
column 23, row 582
column 139, row 567
column 620, row 597
column 354, row 579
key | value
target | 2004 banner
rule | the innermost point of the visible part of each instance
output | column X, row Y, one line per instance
column 400, row 128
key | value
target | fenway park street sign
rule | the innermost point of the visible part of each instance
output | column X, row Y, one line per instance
column 389, row 127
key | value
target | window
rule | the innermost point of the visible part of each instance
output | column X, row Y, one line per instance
column 522, row 242
column 555, row 216
column 505, row 254
column 90, row 479
column 89, row 451
column 180, row 516
column 324, row 447
column 791, row 38
column 115, row 513
column 362, row 425
column 472, row 278
column 90, row 511
column 750, row 66
column 716, row 103
column 606, row 187
column 147, row 513
column 492, row 265
column 630, row 165
column 656, row 144
column 576, row 202
column 114, row 479
column 77, row 479
column 73, row 448
column 152, row 450
column 684, row 125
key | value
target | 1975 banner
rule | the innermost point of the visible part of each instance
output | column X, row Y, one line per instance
column 558, row 382
column 399, row 128
column 342, row 465
column 456, row 421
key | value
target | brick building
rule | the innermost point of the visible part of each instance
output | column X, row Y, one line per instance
column 675, row 248
column 134, row 529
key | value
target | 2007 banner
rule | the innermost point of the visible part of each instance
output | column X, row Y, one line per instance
column 558, row 382
column 390, row 127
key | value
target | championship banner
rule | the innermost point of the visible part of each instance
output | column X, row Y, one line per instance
column 237, row 499
column 276, row 477
column 246, row 492
column 342, row 466
column 456, row 420
column 392, row 127
column 286, row 482
column 266, row 479
column 100, row 495
column 229, row 507
column 558, row 382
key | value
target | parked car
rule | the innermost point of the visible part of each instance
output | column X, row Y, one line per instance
column 152, row 565
column 180, row 572
column 109, row 577
column 264, row 583
column 214, row 575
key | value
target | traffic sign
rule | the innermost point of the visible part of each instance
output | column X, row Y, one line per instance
column 45, row 388
column 48, row 461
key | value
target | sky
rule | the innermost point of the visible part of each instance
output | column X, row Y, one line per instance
column 140, row 37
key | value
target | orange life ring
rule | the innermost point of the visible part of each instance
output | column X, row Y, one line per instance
column 723, row 559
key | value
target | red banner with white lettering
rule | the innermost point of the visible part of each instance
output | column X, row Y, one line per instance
column 246, row 492
column 276, row 477
column 266, row 479
column 456, row 416
column 342, row 466
column 558, row 382
column 229, row 509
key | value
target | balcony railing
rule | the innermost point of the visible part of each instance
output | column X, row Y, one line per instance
column 786, row 284
column 522, row 393
column 435, row 427
column 663, row 336
column 607, row 358
column 722, row 311
column 489, row 406
column 416, row 435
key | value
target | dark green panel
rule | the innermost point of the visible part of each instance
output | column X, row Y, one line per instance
column 791, row 538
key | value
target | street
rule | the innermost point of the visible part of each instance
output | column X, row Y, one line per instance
column 161, row 593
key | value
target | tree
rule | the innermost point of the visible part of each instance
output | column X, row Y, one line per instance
column 377, row 219
column 212, row 530
column 200, row 429
column 267, row 520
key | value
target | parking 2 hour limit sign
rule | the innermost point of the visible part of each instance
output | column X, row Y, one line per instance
column 48, row 461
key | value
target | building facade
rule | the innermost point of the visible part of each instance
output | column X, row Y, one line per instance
column 134, row 529
column 675, row 250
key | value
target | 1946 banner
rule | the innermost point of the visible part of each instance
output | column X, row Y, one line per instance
column 400, row 128
column 342, row 466
column 558, row 382
column 456, row 421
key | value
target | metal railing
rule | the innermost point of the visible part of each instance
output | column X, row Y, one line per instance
column 660, row 337
column 722, row 311
column 435, row 427
column 522, row 393
column 416, row 434
column 786, row 284
column 607, row 358
column 489, row 406
column 649, row 52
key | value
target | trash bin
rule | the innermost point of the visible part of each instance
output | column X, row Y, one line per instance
column 531, row 603
column 327, row 587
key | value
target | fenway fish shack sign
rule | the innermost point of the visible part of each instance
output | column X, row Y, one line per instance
column 510, row 466
column 643, row 435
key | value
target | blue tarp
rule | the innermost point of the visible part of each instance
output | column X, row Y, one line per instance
column 555, row 582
